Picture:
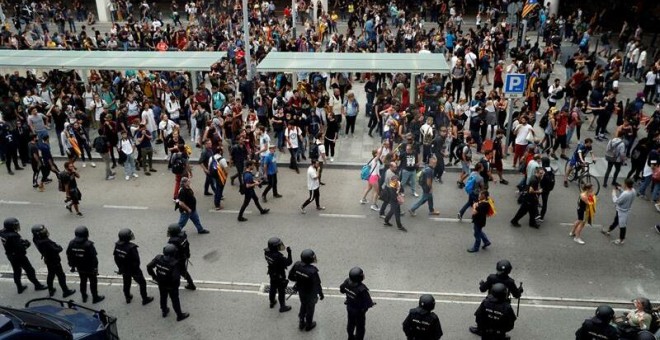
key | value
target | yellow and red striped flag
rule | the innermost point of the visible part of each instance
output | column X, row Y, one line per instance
column 530, row 5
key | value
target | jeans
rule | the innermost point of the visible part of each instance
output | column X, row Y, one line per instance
column 193, row 216
column 617, row 168
column 106, row 160
column 426, row 197
column 471, row 199
column 272, row 184
column 292, row 162
column 218, row 189
column 479, row 236
column 129, row 165
column 655, row 194
column 408, row 177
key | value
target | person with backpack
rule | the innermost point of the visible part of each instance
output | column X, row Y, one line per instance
column 249, row 182
column 425, row 180
column 464, row 155
column 69, row 185
column 473, row 186
column 547, row 185
column 615, row 155
column 179, row 167
column 426, row 132
column 102, row 147
column 217, row 170
column 529, row 201
column 126, row 149
column 481, row 210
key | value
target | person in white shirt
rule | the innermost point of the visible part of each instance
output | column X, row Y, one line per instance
column 165, row 129
column 649, row 84
column 521, row 132
column 291, row 135
column 641, row 64
column 554, row 92
column 127, row 147
column 148, row 119
column 470, row 58
column 313, row 185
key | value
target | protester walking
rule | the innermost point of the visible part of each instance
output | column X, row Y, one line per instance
column 313, row 186
column 481, row 210
column 426, row 182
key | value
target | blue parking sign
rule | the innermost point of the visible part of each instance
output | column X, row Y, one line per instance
column 514, row 85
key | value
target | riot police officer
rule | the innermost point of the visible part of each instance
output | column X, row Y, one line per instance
column 503, row 268
column 179, row 239
column 81, row 255
column 127, row 259
column 495, row 317
column 16, row 251
column 598, row 327
column 358, row 301
column 422, row 323
column 167, row 274
column 50, row 252
column 308, row 285
column 277, row 265
column 645, row 335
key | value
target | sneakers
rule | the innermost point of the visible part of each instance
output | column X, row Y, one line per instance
column 110, row 178
column 320, row 208
column 242, row 219
column 383, row 216
column 402, row 229
column 415, row 194
column 203, row 231
column 459, row 217
column 618, row 241
column 84, row 165
column 302, row 210
column 128, row 178
column 363, row 201
column 135, row 175
column 412, row 213
column 578, row 240
column 657, row 228
column 434, row 213
column 182, row 316
column 657, row 207
column 147, row 173
column 332, row 159
column 571, row 234
column 605, row 232
column 504, row 182
column 374, row 207
column 93, row 165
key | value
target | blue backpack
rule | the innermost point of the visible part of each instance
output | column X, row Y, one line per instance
column 366, row 170
column 471, row 182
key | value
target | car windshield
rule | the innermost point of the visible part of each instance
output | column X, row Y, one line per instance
column 38, row 321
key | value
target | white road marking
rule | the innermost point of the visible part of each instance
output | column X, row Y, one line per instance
column 15, row 202
column 343, row 215
column 128, row 207
column 445, row 219
column 592, row 225
column 225, row 211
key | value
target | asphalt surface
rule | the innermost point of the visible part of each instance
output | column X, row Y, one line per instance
column 431, row 257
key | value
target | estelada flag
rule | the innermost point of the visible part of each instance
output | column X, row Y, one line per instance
column 530, row 5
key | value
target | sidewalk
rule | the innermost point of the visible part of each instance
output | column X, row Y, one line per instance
column 354, row 152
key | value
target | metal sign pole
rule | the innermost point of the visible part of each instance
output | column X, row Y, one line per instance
column 509, row 130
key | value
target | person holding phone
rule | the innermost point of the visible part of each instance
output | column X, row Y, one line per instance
column 623, row 198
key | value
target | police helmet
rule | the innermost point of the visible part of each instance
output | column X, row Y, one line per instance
column 645, row 335
column 11, row 223
column 504, row 267
column 82, row 232
column 605, row 313
column 126, row 235
column 356, row 274
column 274, row 243
column 173, row 229
column 39, row 231
column 499, row 291
column 169, row 250
column 427, row 302
column 308, row 256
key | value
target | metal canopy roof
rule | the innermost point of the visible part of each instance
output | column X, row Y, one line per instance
column 109, row 60
column 354, row 62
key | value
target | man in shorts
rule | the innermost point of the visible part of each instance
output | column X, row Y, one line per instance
column 578, row 158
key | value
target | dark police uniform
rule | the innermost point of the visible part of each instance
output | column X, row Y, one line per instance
column 504, row 279
column 127, row 259
column 168, row 276
column 81, row 255
column 180, row 241
column 494, row 318
column 358, row 301
column 277, row 265
column 596, row 329
column 16, row 250
column 50, row 252
column 309, row 288
column 422, row 324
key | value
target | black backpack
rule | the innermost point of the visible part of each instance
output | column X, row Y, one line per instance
column 314, row 151
column 543, row 123
column 100, row 144
column 178, row 165
column 62, row 180
column 548, row 180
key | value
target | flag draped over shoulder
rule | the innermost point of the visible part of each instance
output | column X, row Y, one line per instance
column 529, row 6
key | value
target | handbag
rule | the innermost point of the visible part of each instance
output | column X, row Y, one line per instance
column 122, row 157
column 400, row 199
column 656, row 175
column 366, row 171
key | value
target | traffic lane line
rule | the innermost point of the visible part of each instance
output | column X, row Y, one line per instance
column 127, row 207
column 342, row 216
column 591, row 225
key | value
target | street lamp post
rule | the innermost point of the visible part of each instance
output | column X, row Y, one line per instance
column 246, row 40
